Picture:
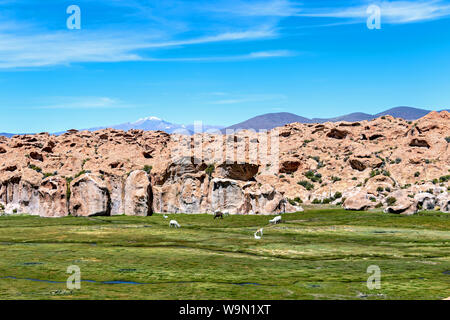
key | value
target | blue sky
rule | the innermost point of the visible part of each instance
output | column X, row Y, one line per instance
column 220, row 62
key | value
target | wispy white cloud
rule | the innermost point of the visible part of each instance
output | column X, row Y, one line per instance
column 394, row 12
column 84, row 103
column 259, row 8
column 63, row 48
column 35, row 46
column 249, row 56
column 179, row 24
column 223, row 37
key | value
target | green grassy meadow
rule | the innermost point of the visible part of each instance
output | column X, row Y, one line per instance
column 317, row 254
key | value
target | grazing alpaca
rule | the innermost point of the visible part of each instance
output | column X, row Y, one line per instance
column 260, row 231
column 218, row 214
column 165, row 217
column 174, row 223
column 276, row 220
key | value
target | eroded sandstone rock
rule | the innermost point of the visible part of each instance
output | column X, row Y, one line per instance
column 53, row 198
column 238, row 171
column 403, row 204
column 228, row 197
column 116, row 187
column 426, row 200
column 289, row 166
column 89, row 197
column 183, row 184
column 419, row 143
column 265, row 200
column 358, row 201
column 337, row 134
column 138, row 194
column 443, row 200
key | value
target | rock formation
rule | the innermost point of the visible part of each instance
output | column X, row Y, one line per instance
column 111, row 172
column 401, row 203
column 358, row 201
column 89, row 197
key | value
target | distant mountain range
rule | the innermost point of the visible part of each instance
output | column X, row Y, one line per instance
column 154, row 123
column 272, row 120
column 8, row 135
column 146, row 124
column 266, row 121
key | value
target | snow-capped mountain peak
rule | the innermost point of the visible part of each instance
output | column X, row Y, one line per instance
column 151, row 118
column 154, row 123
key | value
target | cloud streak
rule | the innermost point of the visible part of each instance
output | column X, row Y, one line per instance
column 271, row 8
column 393, row 12
column 250, row 56
column 64, row 48
column 34, row 46
column 177, row 25
column 84, row 103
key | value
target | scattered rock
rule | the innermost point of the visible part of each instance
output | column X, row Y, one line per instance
column 402, row 205
column 337, row 134
column 358, row 202
column 36, row 156
column 419, row 143
column 357, row 164
column 426, row 200
column 289, row 166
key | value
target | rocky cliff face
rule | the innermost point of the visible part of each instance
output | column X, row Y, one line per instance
column 111, row 172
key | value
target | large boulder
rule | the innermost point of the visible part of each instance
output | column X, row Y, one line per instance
column 337, row 134
column 179, row 167
column 89, row 197
column 289, row 166
column 357, row 164
column 421, row 143
column 289, row 208
column 426, row 200
column 227, row 196
column 138, row 194
column 265, row 200
column 402, row 205
column 53, row 198
column 443, row 201
column 12, row 208
column 193, row 192
column 20, row 193
column 116, row 187
column 188, row 195
column 358, row 201
column 363, row 160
